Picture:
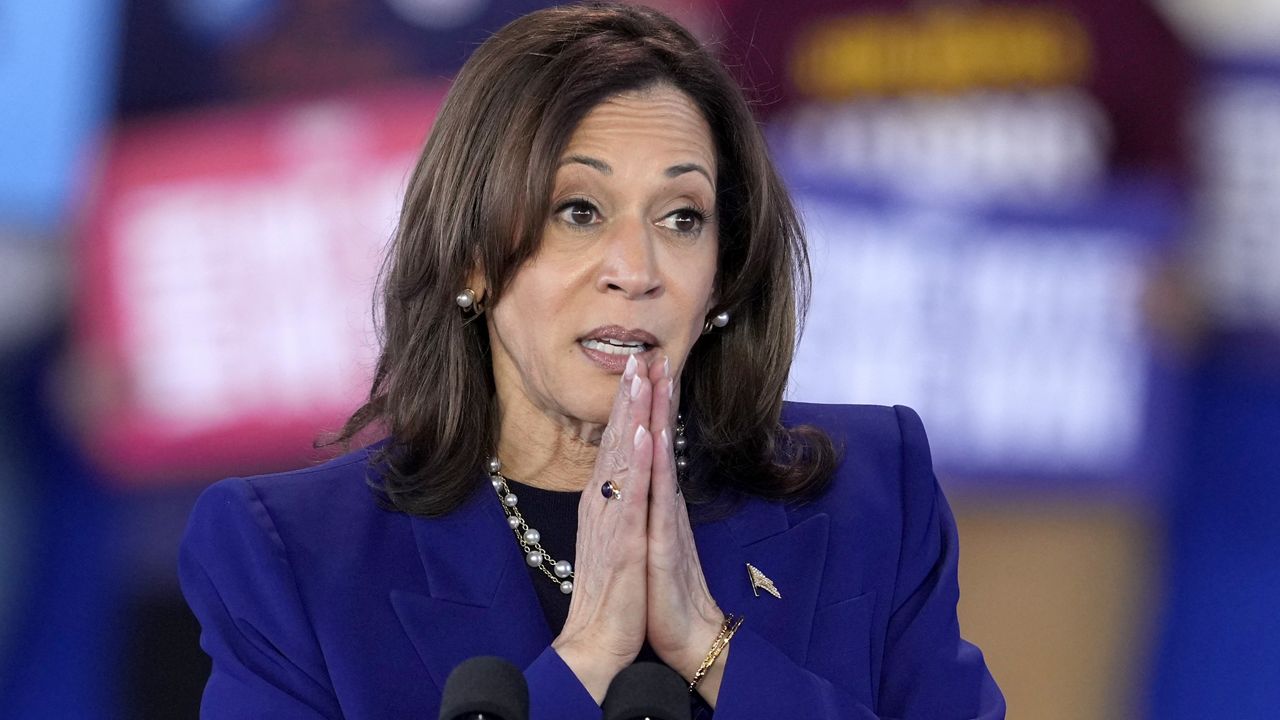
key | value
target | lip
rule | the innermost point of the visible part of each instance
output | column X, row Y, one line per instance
column 616, row 364
column 620, row 334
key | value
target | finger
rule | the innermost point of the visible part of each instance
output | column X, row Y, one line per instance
column 662, row 413
column 664, row 498
column 635, row 481
column 665, row 485
column 628, row 466
column 615, row 447
column 620, row 414
column 674, row 431
column 641, row 389
column 635, row 501
column 663, row 505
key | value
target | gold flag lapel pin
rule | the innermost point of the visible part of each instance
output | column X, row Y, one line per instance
column 760, row 581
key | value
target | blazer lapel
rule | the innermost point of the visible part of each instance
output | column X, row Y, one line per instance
column 792, row 557
column 480, row 600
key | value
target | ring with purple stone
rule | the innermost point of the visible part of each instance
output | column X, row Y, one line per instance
column 611, row 491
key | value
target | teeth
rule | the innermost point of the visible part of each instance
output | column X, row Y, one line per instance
column 619, row 349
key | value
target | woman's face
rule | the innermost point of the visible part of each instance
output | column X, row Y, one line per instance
column 626, row 263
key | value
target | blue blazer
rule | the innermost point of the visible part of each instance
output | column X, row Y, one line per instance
column 315, row 603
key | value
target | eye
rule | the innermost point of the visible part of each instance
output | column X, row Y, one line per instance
column 686, row 221
column 578, row 213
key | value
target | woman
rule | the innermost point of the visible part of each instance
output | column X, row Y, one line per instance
column 591, row 307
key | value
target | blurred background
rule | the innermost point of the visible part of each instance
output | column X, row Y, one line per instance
column 1051, row 226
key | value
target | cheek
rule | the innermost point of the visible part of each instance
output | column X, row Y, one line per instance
column 698, row 291
column 707, row 279
column 522, row 328
column 527, row 326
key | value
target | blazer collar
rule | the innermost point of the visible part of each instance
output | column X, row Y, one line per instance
column 481, row 602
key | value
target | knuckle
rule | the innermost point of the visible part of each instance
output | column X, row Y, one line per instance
column 616, row 462
column 611, row 437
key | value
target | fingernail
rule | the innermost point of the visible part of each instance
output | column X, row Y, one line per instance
column 635, row 386
column 640, row 433
column 671, row 388
column 666, row 367
column 666, row 439
column 631, row 367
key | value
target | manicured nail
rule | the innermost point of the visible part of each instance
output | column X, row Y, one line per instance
column 635, row 387
column 640, row 433
column 666, row 439
column 631, row 367
column 666, row 367
column 671, row 388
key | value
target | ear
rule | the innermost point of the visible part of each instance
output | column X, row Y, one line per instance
column 713, row 298
column 477, row 283
column 712, row 301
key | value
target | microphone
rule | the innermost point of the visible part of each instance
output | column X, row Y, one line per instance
column 647, row 691
column 485, row 688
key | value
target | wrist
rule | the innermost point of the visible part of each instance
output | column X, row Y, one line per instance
column 700, row 642
column 710, row 673
column 709, row 686
column 593, row 668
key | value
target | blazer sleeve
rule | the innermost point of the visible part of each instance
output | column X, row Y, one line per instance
column 928, row 670
column 555, row 693
column 236, row 576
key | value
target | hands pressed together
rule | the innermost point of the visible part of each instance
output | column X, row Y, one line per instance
column 636, row 571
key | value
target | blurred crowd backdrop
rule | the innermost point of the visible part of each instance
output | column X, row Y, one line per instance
column 1051, row 226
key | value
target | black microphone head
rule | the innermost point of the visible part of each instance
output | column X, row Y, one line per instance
column 488, row 685
column 647, row 690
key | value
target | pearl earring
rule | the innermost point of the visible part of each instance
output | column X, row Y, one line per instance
column 717, row 321
column 467, row 301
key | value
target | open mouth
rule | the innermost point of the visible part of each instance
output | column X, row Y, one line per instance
column 611, row 345
column 615, row 347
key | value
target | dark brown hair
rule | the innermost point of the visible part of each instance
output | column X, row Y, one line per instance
column 478, row 198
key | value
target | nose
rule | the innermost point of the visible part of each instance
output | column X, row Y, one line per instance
column 630, row 262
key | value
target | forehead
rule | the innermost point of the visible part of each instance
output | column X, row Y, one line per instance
column 659, row 124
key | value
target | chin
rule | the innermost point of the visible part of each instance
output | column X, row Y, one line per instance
column 593, row 403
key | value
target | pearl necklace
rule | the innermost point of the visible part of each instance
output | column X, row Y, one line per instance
column 558, row 571
column 561, row 571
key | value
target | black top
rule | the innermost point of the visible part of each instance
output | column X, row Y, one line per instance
column 554, row 514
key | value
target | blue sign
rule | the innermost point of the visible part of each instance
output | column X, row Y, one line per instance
column 1017, row 333
column 56, row 80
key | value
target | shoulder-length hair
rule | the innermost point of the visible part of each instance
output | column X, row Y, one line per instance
column 478, row 199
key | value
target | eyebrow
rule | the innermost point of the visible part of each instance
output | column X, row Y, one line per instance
column 604, row 168
column 678, row 170
column 590, row 162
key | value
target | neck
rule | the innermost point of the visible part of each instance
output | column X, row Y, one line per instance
column 545, row 451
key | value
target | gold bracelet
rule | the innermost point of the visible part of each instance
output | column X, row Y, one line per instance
column 727, row 629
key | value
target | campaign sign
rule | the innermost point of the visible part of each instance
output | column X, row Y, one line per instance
column 1236, row 129
column 1019, row 336
column 225, row 288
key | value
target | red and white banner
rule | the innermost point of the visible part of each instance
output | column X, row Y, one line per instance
column 226, row 280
